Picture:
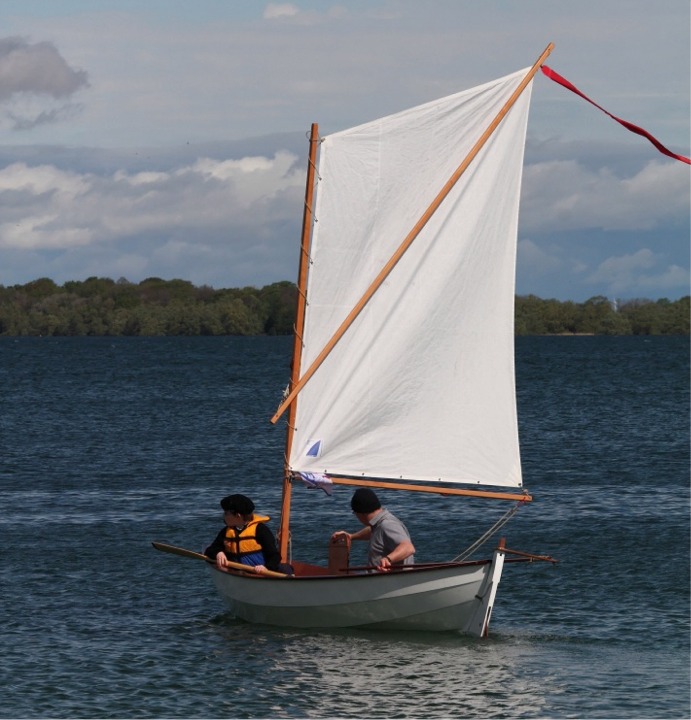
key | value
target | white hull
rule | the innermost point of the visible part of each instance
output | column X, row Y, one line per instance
column 456, row 597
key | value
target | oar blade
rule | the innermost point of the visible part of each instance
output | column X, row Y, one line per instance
column 180, row 551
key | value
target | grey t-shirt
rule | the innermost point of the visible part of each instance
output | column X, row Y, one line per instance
column 387, row 532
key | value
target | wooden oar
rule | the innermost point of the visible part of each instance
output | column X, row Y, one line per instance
column 181, row 551
column 198, row 556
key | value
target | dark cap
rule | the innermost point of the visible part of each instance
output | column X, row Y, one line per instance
column 238, row 504
column 364, row 501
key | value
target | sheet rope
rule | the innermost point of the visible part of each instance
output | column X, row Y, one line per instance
column 487, row 535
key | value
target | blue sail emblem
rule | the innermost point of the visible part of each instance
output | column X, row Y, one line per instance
column 315, row 449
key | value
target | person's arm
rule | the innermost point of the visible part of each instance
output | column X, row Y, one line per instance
column 272, row 557
column 397, row 543
column 362, row 534
column 402, row 551
column 216, row 546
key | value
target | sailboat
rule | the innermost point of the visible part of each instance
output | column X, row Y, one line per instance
column 403, row 360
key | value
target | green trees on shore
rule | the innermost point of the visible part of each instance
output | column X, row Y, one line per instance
column 101, row 306
column 600, row 316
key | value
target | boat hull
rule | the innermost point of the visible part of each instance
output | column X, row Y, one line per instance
column 445, row 597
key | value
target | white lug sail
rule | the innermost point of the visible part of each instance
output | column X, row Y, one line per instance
column 421, row 386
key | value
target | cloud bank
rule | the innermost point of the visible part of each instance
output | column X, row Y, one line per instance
column 164, row 160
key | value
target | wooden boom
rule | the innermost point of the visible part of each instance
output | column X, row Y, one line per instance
column 522, row 497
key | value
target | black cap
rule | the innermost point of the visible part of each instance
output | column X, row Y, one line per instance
column 238, row 504
column 365, row 501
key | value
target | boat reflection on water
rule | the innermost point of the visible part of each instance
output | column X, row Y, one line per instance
column 355, row 673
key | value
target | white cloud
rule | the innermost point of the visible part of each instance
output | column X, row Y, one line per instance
column 36, row 84
column 41, row 180
column 36, row 68
column 566, row 195
column 47, row 208
column 536, row 261
column 280, row 10
column 141, row 178
column 641, row 270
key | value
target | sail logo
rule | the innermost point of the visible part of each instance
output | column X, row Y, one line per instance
column 314, row 449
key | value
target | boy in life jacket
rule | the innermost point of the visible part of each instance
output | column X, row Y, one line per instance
column 245, row 538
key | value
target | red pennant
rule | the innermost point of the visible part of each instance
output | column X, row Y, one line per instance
column 629, row 126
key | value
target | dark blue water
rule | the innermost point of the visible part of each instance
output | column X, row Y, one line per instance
column 107, row 444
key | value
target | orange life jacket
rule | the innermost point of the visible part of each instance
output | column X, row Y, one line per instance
column 242, row 542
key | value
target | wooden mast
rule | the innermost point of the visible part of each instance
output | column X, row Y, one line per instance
column 284, row 529
column 407, row 242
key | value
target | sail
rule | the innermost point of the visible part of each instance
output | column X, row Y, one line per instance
column 421, row 386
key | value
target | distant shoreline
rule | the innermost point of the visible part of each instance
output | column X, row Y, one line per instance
column 156, row 307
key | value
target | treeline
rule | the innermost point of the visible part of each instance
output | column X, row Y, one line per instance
column 600, row 316
column 101, row 306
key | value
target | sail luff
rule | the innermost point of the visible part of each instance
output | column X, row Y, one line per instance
column 284, row 528
column 408, row 240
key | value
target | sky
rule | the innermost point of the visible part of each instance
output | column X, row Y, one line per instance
column 167, row 138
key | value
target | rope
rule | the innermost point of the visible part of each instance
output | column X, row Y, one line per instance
column 302, row 342
column 316, row 170
column 484, row 538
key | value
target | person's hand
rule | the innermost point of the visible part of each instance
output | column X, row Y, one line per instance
column 340, row 534
column 385, row 564
column 259, row 569
column 221, row 561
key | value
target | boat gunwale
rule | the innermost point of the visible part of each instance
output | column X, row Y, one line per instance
column 362, row 573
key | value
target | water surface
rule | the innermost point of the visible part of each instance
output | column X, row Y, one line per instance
column 109, row 443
